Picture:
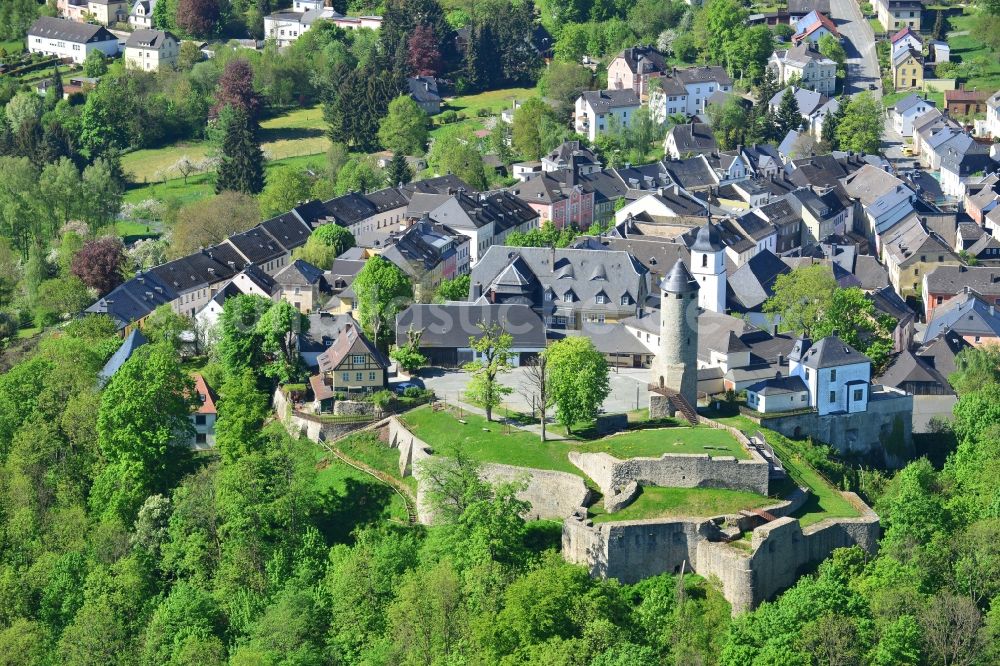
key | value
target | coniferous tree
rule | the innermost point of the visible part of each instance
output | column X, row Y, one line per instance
column 242, row 165
column 398, row 171
column 831, row 123
column 54, row 93
column 789, row 117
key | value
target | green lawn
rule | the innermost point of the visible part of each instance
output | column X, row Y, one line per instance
column 12, row 46
column 890, row 99
column 876, row 26
column 825, row 501
column 966, row 48
column 488, row 442
column 367, row 448
column 334, row 475
column 494, row 101
column 297, row 133
column 656, row 502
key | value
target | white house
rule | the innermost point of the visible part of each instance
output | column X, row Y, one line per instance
column 665, row 203
column 286, row 25
column 907, row 110
column 804, row 62
column 904, row 40
column 686, row 91
column 598, row 111
column 141, row 15
column 204, row 416
column 833, row 378
column 69, row 39
column 149, row 50
column 992, row 124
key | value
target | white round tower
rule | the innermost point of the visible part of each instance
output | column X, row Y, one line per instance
column 675, row 366
column 708, row 265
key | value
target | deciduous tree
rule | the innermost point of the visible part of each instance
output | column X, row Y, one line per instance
column 99, row 263
column 492, row 350
column 862, row 125
column 408, row 356
column 325, row 243
column 382, row 290
column 424, row 52
column 578, row 380
column 198, row 18
column 404, row 129
column 210, row 221
column 286, row 188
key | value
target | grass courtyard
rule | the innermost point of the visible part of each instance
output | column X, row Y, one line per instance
column 494, row 442
column 825, row 501
column 338, row 478
column 966, row 49
column 656, row 502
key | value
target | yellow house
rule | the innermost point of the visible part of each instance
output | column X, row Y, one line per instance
column 352, row 364
column 300, row 283
column 908, row 70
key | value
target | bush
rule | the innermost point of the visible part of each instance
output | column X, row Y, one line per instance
column 381, row 399
column 447, row 117
column 867, row 9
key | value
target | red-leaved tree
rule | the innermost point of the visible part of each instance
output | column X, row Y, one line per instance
column 425, row 56
column 236, row 89
column 99, row 264
column 198, row 18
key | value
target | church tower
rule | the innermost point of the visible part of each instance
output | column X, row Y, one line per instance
column 708, row 263
column 675, row 366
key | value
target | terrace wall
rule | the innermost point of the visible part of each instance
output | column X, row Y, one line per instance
column 553, row 495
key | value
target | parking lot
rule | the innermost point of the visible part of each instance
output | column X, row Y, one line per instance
column 628, row 388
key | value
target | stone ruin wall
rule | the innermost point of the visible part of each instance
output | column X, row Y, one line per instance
column 553, row 495
column 780, row 550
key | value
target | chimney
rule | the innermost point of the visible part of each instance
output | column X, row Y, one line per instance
column 781, row 359
column 477, row 290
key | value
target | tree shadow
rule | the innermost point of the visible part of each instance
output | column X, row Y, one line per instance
column 271, row 134
column 338, row 514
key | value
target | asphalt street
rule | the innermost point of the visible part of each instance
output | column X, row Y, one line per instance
column 859, row 43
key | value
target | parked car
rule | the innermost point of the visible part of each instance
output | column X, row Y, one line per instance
column 401, row 387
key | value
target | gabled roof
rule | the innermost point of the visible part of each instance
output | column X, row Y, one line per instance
column 423, row 89
column 352, row 341
column 290, row 231
column 912, row 103
column 299, row 273
column 966, row 314
column 906, row 32
column 983, row 280
column 753, row 282
column 643, row 59
column 693, row 138
column 902, row 55
column 807, row 100
column 206, row 396
column 779, row 385
column 71, row 31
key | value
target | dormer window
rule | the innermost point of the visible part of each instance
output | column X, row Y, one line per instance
column 626, row 299
column 601, row 299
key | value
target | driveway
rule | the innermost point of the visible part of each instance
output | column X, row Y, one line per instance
column 628, row 389
column 859, row 43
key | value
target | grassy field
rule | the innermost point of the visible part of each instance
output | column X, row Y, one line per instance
column 202, row 185
column 656, row 502
column 488, row 442
column 890, row 99
column 12, row 46
column 825, row 501
column 367, row 448
column 494, row 101
column 300, row 132
column 966, row 48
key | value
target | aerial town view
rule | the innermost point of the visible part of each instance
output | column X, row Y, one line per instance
column 499, row 332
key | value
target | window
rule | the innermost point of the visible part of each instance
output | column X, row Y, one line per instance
column 807, row 373
column 704, row 260
column 833, row 396
column 601, row 299
column 359, row 376
column 371, row 376
column 76, row 47
column 858, row 394
column 625, row 299
column 833, row 375
column 201, row 438
column 358, row 359
column 199, row 419
column 346, row 376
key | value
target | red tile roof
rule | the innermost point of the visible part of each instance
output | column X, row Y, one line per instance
column 962, row 95
column 903, row 33
column 205, row 395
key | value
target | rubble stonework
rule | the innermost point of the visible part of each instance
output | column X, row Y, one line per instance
column 632, row 550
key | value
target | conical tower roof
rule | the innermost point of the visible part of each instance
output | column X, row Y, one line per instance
column 679, row 280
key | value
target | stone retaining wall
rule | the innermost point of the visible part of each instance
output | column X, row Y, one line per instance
column 553, row 495
column 315, row 428
column 779, row 551
column 675, row 470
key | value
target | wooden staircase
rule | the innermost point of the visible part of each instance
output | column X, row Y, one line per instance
column 679, row 403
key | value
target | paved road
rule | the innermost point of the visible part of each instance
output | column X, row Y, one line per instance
column 859, row 43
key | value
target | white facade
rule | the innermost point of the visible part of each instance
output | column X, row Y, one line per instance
column 141, row 15
column 150, row 59
column 993, row 116
column 841, row 388
column 902, row 121
column 78, row 51
column 690, row 103
column 775, row 402
column 592, row 123
column 709, row 269
column 813, row 71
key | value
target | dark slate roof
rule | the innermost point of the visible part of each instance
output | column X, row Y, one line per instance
column 288, row 230
column 658, row 255
column 451, row 325
column 693, row 138
column 605, row 184
column 145, row 38
column 349, row 209
column 256, row 245
column 324, row 328
column 643, row 59
column 134, row 340
column 351, row 341
column 447, row 184
column 388, row 198
column 423, row 88
column 227, row 255
column 805, row 6
column 603, row 101
column 753, row 282
column 134, row 299
column 984, row 280
column 778, row 385
column 941, row 351
column 692, row 173
column 299, row 273
column 194, row 271
column 679, row 280
column 908, row 368
column 831, row 352
column 71, row 31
